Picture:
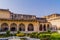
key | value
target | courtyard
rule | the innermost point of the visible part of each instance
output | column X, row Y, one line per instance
column 34, row 35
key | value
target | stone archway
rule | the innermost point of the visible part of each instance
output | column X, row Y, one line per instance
column 30, row 27
column 44, row 27
column 40, row 27
column 21, row 27
column 48, row 27
column 13, row 27
column 4, row 27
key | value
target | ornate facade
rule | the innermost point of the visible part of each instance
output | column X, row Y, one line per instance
column 26, row 23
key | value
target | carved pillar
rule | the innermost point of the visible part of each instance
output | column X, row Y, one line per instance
column 9, row 27
column 0, row 27
column 46, row 27
column 17, row 27
column 42, row 27
column 26, row 27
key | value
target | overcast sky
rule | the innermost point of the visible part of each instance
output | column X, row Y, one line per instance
column 33, row 7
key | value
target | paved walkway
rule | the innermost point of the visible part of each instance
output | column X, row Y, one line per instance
column 18, row 38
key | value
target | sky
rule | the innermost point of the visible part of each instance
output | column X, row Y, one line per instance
column 32, row 7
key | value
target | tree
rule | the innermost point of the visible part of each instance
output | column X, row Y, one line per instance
column 7, row 33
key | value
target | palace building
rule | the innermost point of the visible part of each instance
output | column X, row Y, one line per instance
column 27, row 23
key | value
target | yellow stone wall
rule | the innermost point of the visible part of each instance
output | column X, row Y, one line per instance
column 4, row 14
column 26, row 23
column 55, row 23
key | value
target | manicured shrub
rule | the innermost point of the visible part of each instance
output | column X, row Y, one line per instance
column 34, row 35
column 44, row 36
column 55, row 36
column 20, row 34
column 7, row 33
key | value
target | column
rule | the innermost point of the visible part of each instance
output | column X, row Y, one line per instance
column 0, row 27
column 42, row 27
column 36, row 27
column 26, row 28
column 50, row 27
column 9, row 27
column 46, row 27
column 17, row 27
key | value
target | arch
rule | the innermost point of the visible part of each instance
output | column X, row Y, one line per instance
column 30, row 27
column 13, row 27
column 48, row 26
column 44, row 27
column 4, row 27
column 40, row 27
column 21, row 27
